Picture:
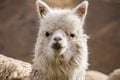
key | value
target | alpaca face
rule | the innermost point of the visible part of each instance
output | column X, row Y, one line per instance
column 61, row 35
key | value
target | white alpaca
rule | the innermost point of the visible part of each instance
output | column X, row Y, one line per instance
column 12, row 69
column 61, row 48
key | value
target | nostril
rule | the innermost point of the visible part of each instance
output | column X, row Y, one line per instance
column 57, row 39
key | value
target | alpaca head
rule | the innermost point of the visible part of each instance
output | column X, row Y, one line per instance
column 61, row 36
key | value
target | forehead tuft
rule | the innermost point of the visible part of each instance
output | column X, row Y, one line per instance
column 57, row 18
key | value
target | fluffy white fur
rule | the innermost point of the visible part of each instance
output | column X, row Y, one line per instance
column 12, row 69
column 69, row 62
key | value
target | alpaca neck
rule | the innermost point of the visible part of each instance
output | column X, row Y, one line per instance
column 58, row 71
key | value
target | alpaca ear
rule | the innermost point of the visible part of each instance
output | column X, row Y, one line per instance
column 42, row 8
column 81, row 9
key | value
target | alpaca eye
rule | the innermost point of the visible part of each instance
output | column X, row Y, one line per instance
column 47, row 34
column 72, row 35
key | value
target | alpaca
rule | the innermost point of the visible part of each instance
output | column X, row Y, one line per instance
column 61, row 49
column 12, row 69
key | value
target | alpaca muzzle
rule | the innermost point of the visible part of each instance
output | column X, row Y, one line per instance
column 57, row 46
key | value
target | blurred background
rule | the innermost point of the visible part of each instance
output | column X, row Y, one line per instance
column 19, row 27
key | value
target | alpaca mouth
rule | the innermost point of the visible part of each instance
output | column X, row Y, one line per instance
column 57, row 46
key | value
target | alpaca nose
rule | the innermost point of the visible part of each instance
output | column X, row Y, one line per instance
column 57, row 39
